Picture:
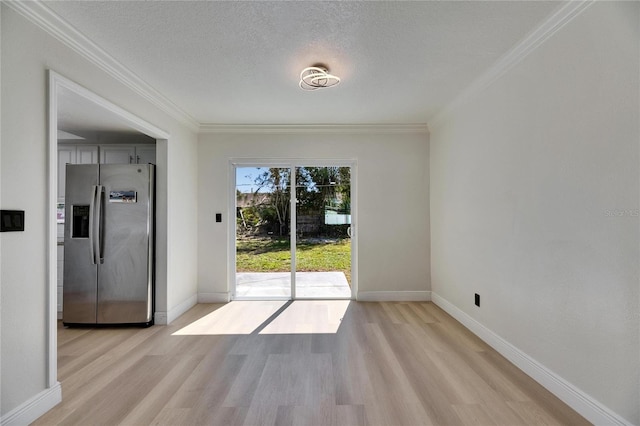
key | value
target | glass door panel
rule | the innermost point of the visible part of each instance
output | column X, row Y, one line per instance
column 263, row 246
column 323, row 232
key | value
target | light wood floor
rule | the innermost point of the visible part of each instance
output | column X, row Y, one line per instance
column 301, row 363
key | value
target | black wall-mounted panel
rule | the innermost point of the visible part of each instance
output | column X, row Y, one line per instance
column 11, row 220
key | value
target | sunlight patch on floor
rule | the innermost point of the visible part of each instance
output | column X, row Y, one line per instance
column 270, row 317
column 309, row 317
column 238, row 317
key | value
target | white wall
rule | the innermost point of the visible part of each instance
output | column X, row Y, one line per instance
column 27, row 53
column 534, row 205
column 182, row 269
column 393, row 202
column 1, row 286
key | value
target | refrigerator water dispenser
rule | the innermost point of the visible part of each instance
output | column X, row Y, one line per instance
column 80, row 222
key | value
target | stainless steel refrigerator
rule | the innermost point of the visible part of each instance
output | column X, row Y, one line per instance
column 109, row 244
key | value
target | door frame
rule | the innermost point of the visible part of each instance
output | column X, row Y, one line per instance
column 56, row 85
column 235, row 163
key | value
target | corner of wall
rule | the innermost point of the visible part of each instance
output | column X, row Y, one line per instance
column 222, row 297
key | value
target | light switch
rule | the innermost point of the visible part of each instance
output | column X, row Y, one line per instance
column 11, row 220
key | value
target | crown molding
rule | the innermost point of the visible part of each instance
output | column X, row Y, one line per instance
column 39, row 14
column 556, row 21
column 314, row 128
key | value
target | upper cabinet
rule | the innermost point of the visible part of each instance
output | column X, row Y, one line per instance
column 86, row 154
column 117, row 154
column 146, row 154
column 73, row 154
column 127, row 154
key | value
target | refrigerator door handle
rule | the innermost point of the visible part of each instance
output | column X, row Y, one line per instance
column 92, row 208
column 99, row 230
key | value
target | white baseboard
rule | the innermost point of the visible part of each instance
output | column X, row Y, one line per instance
column 394, row 296
column 164, row 318
column 33, row 408
column 213, row 297
column 183, row 307
column 575, row 398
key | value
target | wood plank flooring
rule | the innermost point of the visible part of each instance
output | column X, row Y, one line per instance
column 296, row 363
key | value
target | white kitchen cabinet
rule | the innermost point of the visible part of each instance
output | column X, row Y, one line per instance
column 73, row 154
column 146, row 154
column 117, row 154
column 127, row 154
column 87, row 154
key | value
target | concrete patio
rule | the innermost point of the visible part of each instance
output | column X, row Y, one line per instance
column 317, row 285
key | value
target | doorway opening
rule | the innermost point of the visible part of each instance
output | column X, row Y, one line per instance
column 71, row 106
column 294, row 231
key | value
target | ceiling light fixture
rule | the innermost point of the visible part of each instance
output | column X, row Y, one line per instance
column 317, row 77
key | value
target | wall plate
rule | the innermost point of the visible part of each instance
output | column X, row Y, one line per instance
column 11, row 220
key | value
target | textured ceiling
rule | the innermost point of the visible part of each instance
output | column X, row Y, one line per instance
column 239, row 62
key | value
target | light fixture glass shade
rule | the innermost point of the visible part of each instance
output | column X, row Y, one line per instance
column 313, row 78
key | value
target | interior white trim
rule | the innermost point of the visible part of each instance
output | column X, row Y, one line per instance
column 313, row 128
column 28, row 412
column 42, row 16
column 584, row 404
column 52, row 266
column 57, row 83
column 221, row 297
column 394, row 296
column 564, row 14
column 1, row 417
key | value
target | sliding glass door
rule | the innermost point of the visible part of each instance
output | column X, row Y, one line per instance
column 323, row 228
column 273, row 204
column 263, row 243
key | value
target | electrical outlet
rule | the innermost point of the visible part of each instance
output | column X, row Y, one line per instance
column 477, row 299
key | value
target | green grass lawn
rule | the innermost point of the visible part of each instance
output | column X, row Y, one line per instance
column 273, row 255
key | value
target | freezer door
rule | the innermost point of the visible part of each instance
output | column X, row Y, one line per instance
column 80, row 268
column 125, row 273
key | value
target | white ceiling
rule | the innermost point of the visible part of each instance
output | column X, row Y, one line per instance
column 79, row 116
column 239, row 62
